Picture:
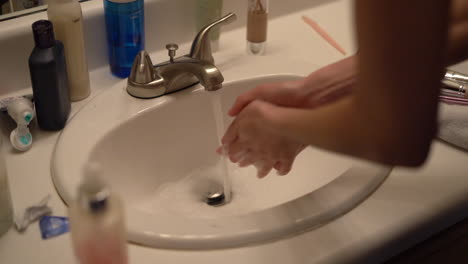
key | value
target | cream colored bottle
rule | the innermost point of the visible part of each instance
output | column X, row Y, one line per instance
column 97, row 223
column 67, row 21
column 6, row 210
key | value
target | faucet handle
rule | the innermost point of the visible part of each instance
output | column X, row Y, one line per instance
column 142, row 69
column 172, row 48
column 201, row 47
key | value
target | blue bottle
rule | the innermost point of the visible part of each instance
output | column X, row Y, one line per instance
column 125, row 33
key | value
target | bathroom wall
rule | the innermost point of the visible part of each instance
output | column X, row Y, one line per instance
column 165, row 21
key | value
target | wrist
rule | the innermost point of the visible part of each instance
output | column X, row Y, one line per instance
column 332, row 77
column 274, row 116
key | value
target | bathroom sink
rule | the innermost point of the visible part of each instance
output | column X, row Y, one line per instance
column 159, row 156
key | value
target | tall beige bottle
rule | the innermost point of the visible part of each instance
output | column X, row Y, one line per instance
column 67, row 19
column 6, row 210
column 97, row 222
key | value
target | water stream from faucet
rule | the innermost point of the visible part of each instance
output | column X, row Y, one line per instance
column 220, row 129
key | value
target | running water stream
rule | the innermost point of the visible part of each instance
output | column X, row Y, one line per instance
column 218, row 114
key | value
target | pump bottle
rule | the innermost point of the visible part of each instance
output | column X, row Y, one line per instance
column 97, row 222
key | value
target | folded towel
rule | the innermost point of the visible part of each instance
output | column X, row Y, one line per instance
column 453, row 124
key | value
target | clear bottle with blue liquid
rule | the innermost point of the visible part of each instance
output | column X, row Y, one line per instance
column 125, row 33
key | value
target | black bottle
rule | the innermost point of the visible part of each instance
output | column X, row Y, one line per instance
column 49, row 78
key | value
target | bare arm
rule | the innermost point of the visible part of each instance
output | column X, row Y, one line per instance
column 459, row 11
column 391, row 117
column 458, row 37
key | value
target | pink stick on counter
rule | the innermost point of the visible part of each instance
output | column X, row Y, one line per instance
column 323, row 34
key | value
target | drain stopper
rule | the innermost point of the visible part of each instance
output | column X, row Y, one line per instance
column 215, row 199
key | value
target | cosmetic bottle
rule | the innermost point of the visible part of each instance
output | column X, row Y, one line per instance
column 97, row 222
column 67, row 18
column 6, row 210
column 257, row 22
column 49, row 80
column 125, row 33
column 207, row 12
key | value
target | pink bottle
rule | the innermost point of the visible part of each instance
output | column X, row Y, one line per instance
column 97, row 222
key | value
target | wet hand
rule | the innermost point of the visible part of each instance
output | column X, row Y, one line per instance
column 253, row 139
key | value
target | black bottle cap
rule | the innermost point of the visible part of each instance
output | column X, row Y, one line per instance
column 43, row 34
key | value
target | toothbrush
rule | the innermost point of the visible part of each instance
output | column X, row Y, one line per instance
column 453, row 100
column 455, row 86
column 456, row 76
column 454, row 90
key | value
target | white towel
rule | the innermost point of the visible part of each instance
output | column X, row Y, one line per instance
column 453, row 124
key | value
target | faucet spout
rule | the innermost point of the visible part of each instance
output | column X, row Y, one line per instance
column 149, row 81
column 207, row 74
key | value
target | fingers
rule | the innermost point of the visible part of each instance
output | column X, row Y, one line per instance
column 241, row 102
column 252, row 140
column 236, row 151
column 237, row 156
column 263, row 168
column 284, row 167
column 220, row 150
column 270, row 92
column 246, row 160
column 231, row 134
column 277, row 165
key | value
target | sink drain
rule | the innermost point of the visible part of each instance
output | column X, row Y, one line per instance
column 215, row 199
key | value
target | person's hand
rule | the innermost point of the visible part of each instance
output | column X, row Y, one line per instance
column 253, row 139
column 320, row 87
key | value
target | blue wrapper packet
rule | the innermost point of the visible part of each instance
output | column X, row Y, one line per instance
column 52, row 226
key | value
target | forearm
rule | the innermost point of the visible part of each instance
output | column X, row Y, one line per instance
column 391, row 116
column 458, row 43
column 334, row 81
column 401, row 64
column 458, row 35
column 343, row 128
column 459, row 11
column 332, row 127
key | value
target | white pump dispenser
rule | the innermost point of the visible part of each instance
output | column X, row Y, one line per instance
column 97, row 222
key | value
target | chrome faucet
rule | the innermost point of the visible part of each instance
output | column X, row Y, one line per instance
column 148, row 81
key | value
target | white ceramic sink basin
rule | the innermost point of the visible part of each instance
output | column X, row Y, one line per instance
column 159, row 155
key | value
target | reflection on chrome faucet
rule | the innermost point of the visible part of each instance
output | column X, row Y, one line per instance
column 148, row 81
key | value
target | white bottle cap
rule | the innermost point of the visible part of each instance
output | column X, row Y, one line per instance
column 93, row 191
column 20, row 142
